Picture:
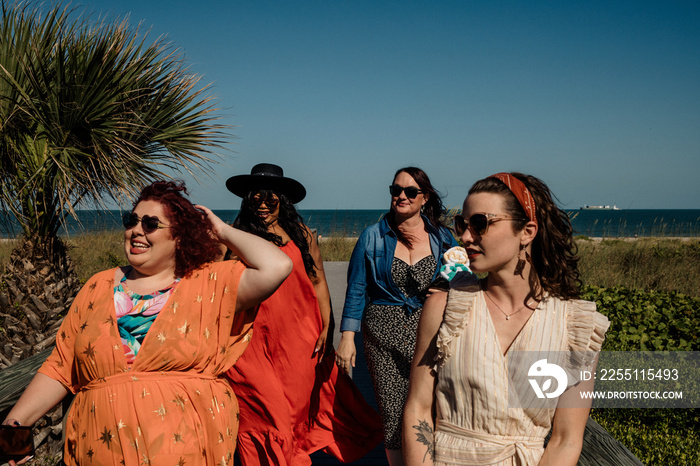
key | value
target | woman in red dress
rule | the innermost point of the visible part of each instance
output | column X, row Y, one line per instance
column 293, row 401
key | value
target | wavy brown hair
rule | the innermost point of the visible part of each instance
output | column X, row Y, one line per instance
column 554, row 252
column 433, row 208
column 191, row 229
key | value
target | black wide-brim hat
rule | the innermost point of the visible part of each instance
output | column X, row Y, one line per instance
column 266, row 176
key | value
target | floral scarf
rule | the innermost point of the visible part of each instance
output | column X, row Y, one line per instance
column 136, row 313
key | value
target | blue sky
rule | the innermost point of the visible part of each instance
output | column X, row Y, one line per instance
column 600, row 99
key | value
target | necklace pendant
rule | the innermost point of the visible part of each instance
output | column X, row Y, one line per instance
column 507, row 317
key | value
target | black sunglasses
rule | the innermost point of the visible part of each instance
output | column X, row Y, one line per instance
column 148, row 223
column 270, row 201
column 411, row 191
column 478, row 223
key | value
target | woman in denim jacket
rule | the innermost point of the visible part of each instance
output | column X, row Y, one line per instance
column 391, row 267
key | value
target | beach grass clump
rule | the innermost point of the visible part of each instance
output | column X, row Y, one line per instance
column 336, row 248
column 94, row 252
column 645, row 264
column 6, row 247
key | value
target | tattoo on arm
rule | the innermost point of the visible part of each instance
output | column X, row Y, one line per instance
column 425, row 436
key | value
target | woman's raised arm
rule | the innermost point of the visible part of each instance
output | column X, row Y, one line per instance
column 267, row 265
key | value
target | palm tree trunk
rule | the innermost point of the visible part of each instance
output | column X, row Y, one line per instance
column 36, row 290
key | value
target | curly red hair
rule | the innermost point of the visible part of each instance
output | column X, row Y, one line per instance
column 190, row 227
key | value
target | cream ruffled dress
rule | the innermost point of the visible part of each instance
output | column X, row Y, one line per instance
column 475, row 421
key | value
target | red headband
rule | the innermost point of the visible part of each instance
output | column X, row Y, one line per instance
column 522, row 194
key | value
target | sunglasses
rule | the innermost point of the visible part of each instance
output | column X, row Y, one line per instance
column 478, row 223
column 270, row 201
column 411, row 191
column 148, row 223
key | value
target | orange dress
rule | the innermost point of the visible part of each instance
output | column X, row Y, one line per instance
column 290, row 405
column 172, row 407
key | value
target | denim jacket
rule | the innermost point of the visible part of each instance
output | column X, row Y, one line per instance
column 369, row 271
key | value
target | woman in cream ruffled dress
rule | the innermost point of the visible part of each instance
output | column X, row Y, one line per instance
column 465, row 405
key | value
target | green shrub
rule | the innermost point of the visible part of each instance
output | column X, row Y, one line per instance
column 647, row 320
column 658, row 321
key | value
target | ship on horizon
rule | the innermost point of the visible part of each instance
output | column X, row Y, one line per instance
column 599, row 207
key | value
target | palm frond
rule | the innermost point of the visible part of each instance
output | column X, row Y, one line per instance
column 92, row 110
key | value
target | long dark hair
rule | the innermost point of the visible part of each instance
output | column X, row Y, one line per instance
column 554, row 252
column 191, row 229
column 433, row 208
column 288, row 218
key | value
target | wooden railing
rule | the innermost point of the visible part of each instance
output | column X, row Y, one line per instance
column 14, row 379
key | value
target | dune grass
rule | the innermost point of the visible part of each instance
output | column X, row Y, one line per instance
column 645, row 264
column 336, row 248
column 660, row 264
column 93, row 252
column 90, row 252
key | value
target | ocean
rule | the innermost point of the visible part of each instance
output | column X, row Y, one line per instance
column 333, row 222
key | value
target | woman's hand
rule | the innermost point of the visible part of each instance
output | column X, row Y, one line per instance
column 18, row 462
column 320, row 349
column 15, row 423
column 267, row 266
column 22, row 461
column 218, row 225
column 345, row 355
column 42, row 394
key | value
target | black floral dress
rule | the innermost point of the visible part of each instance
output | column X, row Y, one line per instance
column 389, row 334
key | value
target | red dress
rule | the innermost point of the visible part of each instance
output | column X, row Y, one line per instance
column 290, row 406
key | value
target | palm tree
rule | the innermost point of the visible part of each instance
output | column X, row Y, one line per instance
column 88, row 111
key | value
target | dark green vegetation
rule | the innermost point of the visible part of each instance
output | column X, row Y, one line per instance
column 650, row 291
column 651, row 321
column 89, row 110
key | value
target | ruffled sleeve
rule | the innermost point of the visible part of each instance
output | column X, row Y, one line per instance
column 585, row 331
column 586, row 327
column 460, row 302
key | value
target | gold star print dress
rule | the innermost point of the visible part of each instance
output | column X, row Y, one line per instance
column 170, row 407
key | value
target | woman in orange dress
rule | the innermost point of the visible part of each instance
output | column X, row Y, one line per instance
column 471, row 398
column 293, row 400
column 145, row 347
